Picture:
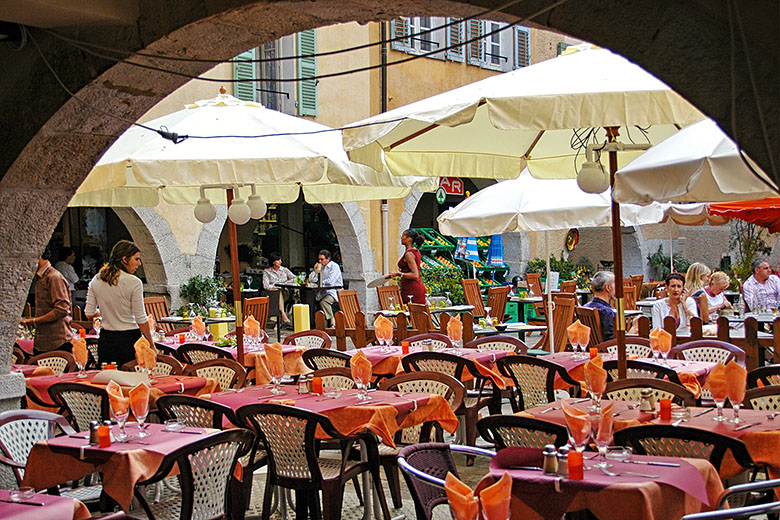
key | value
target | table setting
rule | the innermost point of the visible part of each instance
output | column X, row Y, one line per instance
column 24, row 503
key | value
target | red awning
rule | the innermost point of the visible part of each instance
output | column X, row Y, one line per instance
column 764, row 212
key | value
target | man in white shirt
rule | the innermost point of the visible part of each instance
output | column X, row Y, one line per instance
column 65, row 266
column 762, row 290
column 330, row 276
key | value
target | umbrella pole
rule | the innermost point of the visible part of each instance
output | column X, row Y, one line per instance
column 617, row 256
column 236, row 283
column 550, row 328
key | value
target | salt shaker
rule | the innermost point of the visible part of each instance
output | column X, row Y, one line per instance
column 647, row 403
column 550, row 465
column 563, row 461
column 303, row 384
column 93, row 432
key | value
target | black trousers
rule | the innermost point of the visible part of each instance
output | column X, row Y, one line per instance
column 116, row 346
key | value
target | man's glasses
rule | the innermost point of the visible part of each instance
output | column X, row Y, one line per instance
column 322, row 258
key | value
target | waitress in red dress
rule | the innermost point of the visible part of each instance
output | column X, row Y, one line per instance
column 409, row 268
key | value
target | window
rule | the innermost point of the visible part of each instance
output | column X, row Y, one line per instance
column 268, row 89
column 494, row 55
column 522, row 47
column 399, row 28
column 307, row 68
column 243, row 69
column 409, row 29
column 475, row 50
column 455, row 35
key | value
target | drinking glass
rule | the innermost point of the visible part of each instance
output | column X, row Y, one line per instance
column 736, row 396
column 665, row 354
column 574, row 339
column 719, row 402
column 82, row 372
column 602, row 437
column 248, row 282
column 362, row 386
column 488, row 318
column 140, row 408
column 390, row 301
column 276, row 378
column 411, row 297
column 579, row 438
column 584, row 341
column 595, row 397
column 121, row 418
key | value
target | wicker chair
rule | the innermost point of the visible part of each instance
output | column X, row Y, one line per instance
column 680, row 441
column 18, row 356
column 635, row 346
column 58, row 360
column 309, row 339
column 229, row 373
column 630, row 390
column 164, row 366
column 336, row 377
column 191, row 353
column 83, row 403
column 438, row 341
column 641, row 369
column 534, row 379
column 768, row 375
column 205, row 470
column 726, row 510
column 764, row 398
column 288, row 435
column 505, row 343
column 708, row 350
column 319, row 358
column 196, row 412
column 448, row 387
column 425, row 466
column 504, row 431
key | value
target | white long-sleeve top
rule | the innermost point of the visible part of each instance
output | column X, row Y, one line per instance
column 121, row 305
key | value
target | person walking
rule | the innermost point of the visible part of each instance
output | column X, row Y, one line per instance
column 52, row 309
column 117, row 296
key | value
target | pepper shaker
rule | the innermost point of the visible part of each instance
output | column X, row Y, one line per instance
column 93, row 432
column 550, row 465
column 563, row 461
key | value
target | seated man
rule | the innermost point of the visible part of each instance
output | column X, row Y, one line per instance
column 327, row 274
column 603, row 287
column 762, row 290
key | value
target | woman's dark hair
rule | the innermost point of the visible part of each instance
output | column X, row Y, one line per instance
column 417, row 238
column 109, row 273
column 273, row 257
column 675, row 276
column 65, row 252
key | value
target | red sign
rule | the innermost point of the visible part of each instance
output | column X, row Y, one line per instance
column 451, row 185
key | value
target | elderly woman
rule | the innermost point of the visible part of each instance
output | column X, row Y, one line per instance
column 674, row 305
column 274, row 274
column 696, row 278
column 712, row 300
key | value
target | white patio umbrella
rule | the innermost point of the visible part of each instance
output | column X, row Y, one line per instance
column 496, row 127
column 293, row 155
column 698, row 164
column 531, row 204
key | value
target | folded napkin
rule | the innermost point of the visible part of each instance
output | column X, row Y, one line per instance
column 691, row 381
column 716, row 382
column 660, row 340
column 495, row 499
column 604, row 432
column 119, row 403
column 361, row 367
column 736, row 381
column 455, row 329
column 252, row 327
column 595, row 375
column 573, row 332
column 198, row 327
column 583, row 333
column 144, row 354
column 274, row 359
column 578, row 422
column 139, row 400
column 462, row 502
column 80, row 350
column 387, row 327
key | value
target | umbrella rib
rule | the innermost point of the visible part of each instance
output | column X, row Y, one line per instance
column 423, row 131
column 533, row 144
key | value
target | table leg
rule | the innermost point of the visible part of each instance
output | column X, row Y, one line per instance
column 371, row 500
column 311, row 301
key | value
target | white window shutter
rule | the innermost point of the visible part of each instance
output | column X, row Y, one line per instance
column 244, row 70
column 522, row 47
column 475, row 50
column 307, row 68
column 399, row 28
column 455, row 35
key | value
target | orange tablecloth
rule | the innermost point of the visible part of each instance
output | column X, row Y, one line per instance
column 638, row 501
column 293, row 365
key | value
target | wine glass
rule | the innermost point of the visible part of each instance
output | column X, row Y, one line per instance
column 720, row 400
column 82, row 372
column 579, row 435
column 277, row 372
column 601, row 431
column 488, row 318
column 140, row 408
column 584, row 340
column 411, row 297
column 390, row 300
column 248, row 282
column 595, row 397
column 362, row 386
column 120, row 409
column 736, row 393
column 574, row 339
column 664, row 353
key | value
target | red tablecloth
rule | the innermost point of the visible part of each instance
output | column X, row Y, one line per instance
column 54, row 508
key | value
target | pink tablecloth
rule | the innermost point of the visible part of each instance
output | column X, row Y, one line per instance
column 54, row 508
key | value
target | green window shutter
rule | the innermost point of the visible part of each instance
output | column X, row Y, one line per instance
column 399, row 28
column 475, row 50
column 245, row 70
column 562, row 46
column 307, row 68
column 455, row 35
column 522, row 47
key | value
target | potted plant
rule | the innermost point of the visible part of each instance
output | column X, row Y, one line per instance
column 203, row 291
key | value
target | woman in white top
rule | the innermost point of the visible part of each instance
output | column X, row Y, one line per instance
column 712, row 299
column 120, row 296
column 674, row 306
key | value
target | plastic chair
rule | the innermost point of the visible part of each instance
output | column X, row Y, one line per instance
column 191, row 353
column 319, row 358
column 424, row 468
column 83, row 403
column 504, row 431
column 635, row 346
column 505, row 343
column 229, row 373
column 165, row 366
column 764, row 398
column 534, row 379
column 641, row 369
column 309, row 339
column 708, row 350
column 438, row 341
column 630, row 390
column 58, row 360
column 18, row 356
column 767, row 375
column 336, row 377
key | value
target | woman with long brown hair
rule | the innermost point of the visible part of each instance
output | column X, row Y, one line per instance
column 117, row 296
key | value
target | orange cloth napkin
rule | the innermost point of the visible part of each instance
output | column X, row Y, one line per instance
column 144, row 354
column 573, row 331
column 455, row 329
column 383, row 328
column 139, row 399
column 604, row 433
column 691, row 381
column 578, row 422
column 251, row 327
column 462, row 502
column 387, row 327
column 716, row 382
column 361, row 367
column 660, row 340
column 80, row 351
column 198, row 327
column 496, row 498
column 152, row 324
column 274, row 359
column 736, row 381
column 583, row 333
column 119, row 403
column 595, row 375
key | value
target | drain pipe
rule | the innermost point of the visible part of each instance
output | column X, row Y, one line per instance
column 383, row 104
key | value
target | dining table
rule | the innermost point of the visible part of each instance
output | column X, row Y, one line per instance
column 42, row 507
column 519, row 328
column 26, row 344
column 122, row 465
column 636, row 491
column 32, row 370
column 308, row 294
